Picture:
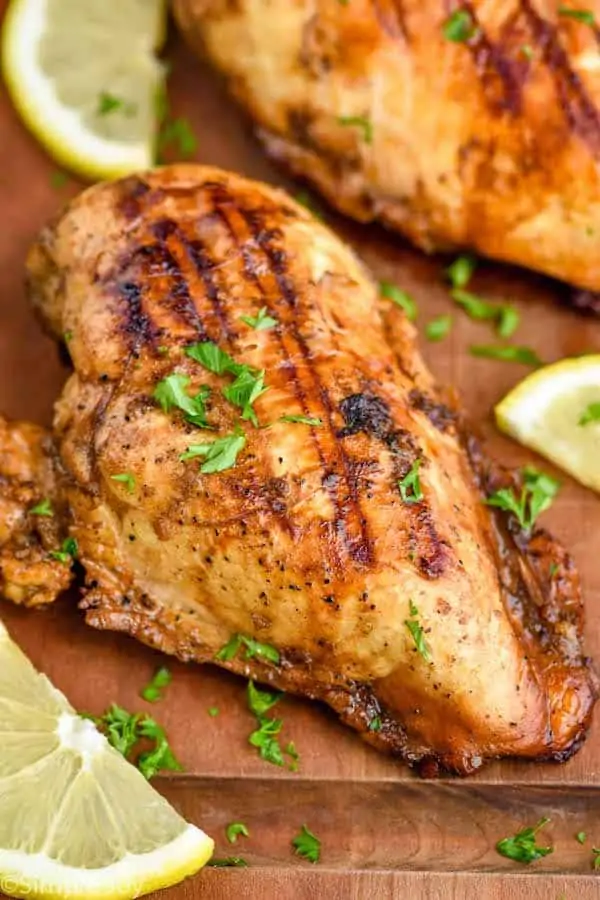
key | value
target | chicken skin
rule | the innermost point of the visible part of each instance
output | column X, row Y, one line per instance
column 461, row 126
column 259, row 471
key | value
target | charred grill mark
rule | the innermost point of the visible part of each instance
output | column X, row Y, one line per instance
column 347, row 508
column 390, row 16
column 132, row 190
column 440, row 415
column 204, row 263
column 135, row 323
column 579, row 110
column 369, row 414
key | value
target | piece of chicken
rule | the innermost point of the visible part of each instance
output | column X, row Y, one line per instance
column 413, row 606
column 488, row 141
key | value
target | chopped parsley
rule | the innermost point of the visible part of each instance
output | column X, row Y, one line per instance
column 438, row 328
column 294, row 756
column 219, row 454
column 590, row 414
column 505, row 316
column 228, row 861
column 67, row 552
column 262, row 321
column 307, row 845
column 159, row 681
column 553, row 569
column 580, row 15
column 523, row 847
column 417, row 633
column 252, row 649
column 581, row 837
column 209, row 355
column 58, row 179
column 538, row 491
column 410, row 485
column 123, row 731
column 247, row 387
column 127, row 479
column 460, row 271
column 524, row 355
column 43, row 508
column 177, row 134
column 171, row 393
column 108, row 103
column 67, row 336
column 265, row 739
column 302, row 420
column 595, row 858
column 459, row 26
column 375, row 724
column 362, row 123
column 260, row 702
column 213, row 711
column 234, row 830
column 392, row 292
column 527, row 51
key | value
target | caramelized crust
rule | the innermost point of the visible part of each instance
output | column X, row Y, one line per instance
column 306, row 543
column 490, row 143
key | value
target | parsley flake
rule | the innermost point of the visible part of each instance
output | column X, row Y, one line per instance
column 245, row 390
column 507, row 353
column 523, row 847
column 590, row 414
column 294, row 756
column 219, row 454
column 123, row 730
column 362, row 123
column 228, row 861
column 153, row 690
column 209, row 355
column 417, row 633
column 262, row 321
column 179, row 135
column 260, row 702
column 505, row 316
column 67, row 552
column 410, row 485
column 392, row 292
column 307, row 845
column 538, row 491
column 234, row 830
column 58, row 179
column 160, row 757
column 438, row 328
column 375, row 724
column 459, row 27
column 580, row 15
column 108, row 103
column 213, row 711
column 265, row 739
column 302, row 420
column 596, row 858
column 527, row 51
column 460, row 271
column 581, row 837
column 252, row 648
column 127, row 479
column 171, row 393
column 43, row 508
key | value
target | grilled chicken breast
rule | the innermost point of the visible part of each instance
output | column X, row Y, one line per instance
column 461, row 126
column 343, row 526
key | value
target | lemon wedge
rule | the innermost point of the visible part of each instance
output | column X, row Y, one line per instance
column 76, row 819
column 556, row 411
column 85, row 79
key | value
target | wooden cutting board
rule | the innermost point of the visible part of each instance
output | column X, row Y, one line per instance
column 384, row 832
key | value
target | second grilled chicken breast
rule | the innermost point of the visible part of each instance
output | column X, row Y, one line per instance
column 473, row 125
column 338, row 517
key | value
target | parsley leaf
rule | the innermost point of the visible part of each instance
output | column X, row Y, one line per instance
column 161, row 756
column 253, row 648
column 213, row 711
column 234, row 830
column 537, row 494
column 596, row 858
column 307, row 845
column 235, row 861
column 264, row 738
column 361, row 122
column 58, row 179
column 67, row 552
column 262, row 321
column 417, row 633
column 127, row 479
column 581, row 837
column 120, row 728
column 171, row 393
column 460, row 271
column 505, row 316
column 375, row 724
column 209, row 355
column 153, row 690
column 438, row 328
column 247, row 387
column 302, row 420
column 178, row 134
column 43, row 508
column 108, row 103
column 590, row 414
column 259, row 701
column 507, row 353
column 294, row 755
column 219, row 454
column 522, row 847
column 410, row 485
column 392, row 292
column 459, row 26
column 580, row 15
column 123, row 731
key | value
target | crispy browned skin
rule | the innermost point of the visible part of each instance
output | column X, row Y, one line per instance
column 491, row 144
column 305, row 544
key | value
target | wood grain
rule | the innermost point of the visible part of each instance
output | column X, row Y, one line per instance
column 385, row 834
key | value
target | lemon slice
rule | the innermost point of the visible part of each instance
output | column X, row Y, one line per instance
column 76, row 819
column 84, row 76
column 556, row 411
